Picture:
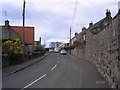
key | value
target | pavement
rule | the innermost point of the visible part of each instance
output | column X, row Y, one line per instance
column 15, row 68
column 91, row 78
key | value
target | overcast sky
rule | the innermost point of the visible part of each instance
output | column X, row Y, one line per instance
column 52, row 19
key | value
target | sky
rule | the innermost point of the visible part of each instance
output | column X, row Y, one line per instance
column 52, row 19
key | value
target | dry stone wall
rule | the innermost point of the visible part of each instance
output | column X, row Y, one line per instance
column 103, row 50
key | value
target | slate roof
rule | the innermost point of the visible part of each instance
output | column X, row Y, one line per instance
column 96, row 25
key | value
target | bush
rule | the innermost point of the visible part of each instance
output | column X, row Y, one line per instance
column 15, row 58
column 12, row 48
column 37, row 54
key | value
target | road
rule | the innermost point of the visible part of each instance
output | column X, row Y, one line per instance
column 56, row 71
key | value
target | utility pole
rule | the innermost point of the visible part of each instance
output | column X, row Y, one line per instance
column 70, row 40
column 23, row 31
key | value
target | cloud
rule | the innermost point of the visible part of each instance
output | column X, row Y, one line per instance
column 52, row 19
column 86, row 13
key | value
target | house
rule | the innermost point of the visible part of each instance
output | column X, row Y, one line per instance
column 100, row 25
column 11, row 32
column 37, row 43
column 7, row 32
column 79, row 38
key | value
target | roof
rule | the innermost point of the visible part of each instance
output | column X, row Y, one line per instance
column 96, row 25
column 29, row 33
column 117, row 14
column 79, row 34
column 1, row 26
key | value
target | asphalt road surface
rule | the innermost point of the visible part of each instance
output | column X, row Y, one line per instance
column 56, row 71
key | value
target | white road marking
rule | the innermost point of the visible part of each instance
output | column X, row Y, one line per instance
column 58, row 58
column 54, row 67
column 13, row 72
column 57, row 61
column 34, row 82
column 100, row 82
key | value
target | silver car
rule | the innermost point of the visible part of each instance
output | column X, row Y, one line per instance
column 51, row 50
column 63, row 52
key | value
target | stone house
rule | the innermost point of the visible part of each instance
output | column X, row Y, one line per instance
column 100, row 25
column 11, row 32
column 79, row 38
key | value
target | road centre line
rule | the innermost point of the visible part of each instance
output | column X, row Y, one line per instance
column 34, row 82
column 54, row 67
column 57, row 61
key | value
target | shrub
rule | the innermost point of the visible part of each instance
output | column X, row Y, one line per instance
column 12, row 48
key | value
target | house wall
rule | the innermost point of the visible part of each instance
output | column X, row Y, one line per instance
column 31, row 48
column 8, row 33
column 103, row 50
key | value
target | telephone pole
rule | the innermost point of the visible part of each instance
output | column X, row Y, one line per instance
column 70, row 40
column 23, row 31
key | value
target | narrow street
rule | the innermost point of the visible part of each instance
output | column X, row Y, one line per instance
column 56, row 71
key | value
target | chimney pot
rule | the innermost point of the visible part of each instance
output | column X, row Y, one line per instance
column 6, row 23
column 76, row 34
column 90, row 24
column 108, row 13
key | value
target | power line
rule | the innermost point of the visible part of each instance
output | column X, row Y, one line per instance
column 74, row 12
column 29, row 17
column 5, row 15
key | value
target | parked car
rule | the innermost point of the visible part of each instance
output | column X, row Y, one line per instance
column 51, row 50
column 56, row 51
column 63, row 52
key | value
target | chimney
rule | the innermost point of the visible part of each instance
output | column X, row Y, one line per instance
column 7, row 23
column 76, row 34
column 90, row 24
column 83, row 29
column 108, row 13
column 40, row 39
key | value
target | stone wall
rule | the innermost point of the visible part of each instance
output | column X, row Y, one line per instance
column 103, row 49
